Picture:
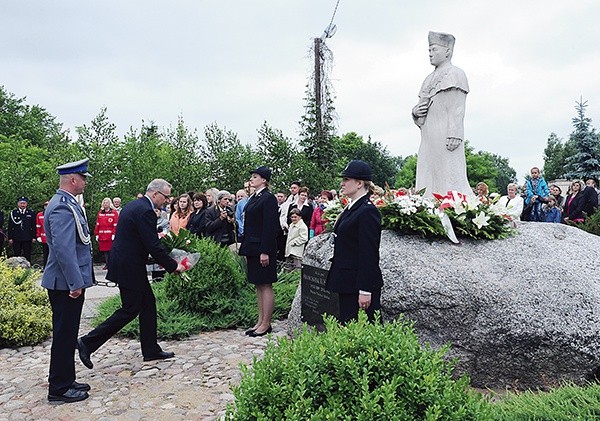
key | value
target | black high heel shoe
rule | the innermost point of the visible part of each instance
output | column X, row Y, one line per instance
column 249, row 331
column 255, row 334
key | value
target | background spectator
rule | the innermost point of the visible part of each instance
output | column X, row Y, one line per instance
column 574, row 203
column 557, row 193
column 197, row 222
column 296, row 239
column 551, row 211
column 220, row 220
column 317, row 223
column 106, row 228
column 303, row 205
column 512, row 202
column 40, row 233
column 180, row 218
column 21, row 229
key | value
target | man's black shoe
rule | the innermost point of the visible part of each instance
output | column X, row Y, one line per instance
column 71, row 395
column 84, row 387
column 84, row 354
column 162, row 355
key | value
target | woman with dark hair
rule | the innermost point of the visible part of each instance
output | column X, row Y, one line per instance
column 197, row 222
column 355, row 274
column 303, row 205
column 574, row 203
column 557, row 193
column 261, row 221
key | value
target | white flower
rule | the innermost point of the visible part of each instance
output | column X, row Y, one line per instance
column 481, row 220
column 473, row 202
column 458, row 208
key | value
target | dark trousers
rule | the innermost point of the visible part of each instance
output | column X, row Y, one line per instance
column 281, row 240
column 349, row 306
column 66, row 315
column 45, row 251
column 133, row 303
column 22, row 248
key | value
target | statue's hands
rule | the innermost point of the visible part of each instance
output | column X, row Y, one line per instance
column 452, row 143
column 420, row 110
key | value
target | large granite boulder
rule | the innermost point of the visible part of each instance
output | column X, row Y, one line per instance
column 522, row 312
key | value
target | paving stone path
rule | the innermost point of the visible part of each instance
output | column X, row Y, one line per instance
column 195, row 385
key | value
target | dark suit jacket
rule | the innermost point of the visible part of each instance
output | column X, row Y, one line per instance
column 216, row 227
column 136, row 237
column 355, row 262
column 574, row 210
column 590, row 200
column 261, row 225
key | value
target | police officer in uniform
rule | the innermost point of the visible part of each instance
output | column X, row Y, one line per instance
column 21, row 229
column 68, row 273
column 355, row 274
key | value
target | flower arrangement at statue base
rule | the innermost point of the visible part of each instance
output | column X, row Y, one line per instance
column 452, row 215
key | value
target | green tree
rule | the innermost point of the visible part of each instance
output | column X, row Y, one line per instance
column 585, row 162
column 30, row 123
column 554, row 158
column 227, row 160
column 284, row 158
column 406, row 176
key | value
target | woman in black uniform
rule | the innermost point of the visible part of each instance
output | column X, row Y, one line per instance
column 261, row 222
column 355, row 274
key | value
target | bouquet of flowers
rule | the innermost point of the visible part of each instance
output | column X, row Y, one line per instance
column 182, row 249
column 411, row 214
column 333, row 210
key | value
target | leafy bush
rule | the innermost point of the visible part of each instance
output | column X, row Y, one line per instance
column 176, row 322
column 569, row 402
column 25, row 313
column 591, row 224
column 361, row 371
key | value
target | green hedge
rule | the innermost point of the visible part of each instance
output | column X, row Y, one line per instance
column 217, row 296
column 361, row 371
column 25, row 313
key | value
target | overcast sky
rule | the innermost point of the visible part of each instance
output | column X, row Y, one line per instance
column 242, row 62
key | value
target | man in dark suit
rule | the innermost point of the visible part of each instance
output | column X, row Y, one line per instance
column 66, row 275
column 355, row 274
column 21, row 229
column 136, row 237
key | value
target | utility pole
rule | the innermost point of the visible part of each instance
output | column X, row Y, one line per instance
column 318, row 115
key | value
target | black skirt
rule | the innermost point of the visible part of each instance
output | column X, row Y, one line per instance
column 257, row 274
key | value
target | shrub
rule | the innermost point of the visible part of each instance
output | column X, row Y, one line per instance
column 569, row 402
column 25, row 313
column 176, row 322
column 215, row 285
column 591, row 224
column 361, row 371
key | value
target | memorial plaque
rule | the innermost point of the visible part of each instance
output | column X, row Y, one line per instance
column 316, row 300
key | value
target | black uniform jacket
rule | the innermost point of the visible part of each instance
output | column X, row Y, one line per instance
column 135, row 238
column 261, row 225
column 355, row 262
column 21, row 226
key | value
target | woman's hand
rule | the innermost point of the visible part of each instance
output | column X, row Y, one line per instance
column 364, row 301
column 264, row 259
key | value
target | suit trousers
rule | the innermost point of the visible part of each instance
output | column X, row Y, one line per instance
column 66, row 315
column 133, row 303
column 22, row 248
column 349, row 306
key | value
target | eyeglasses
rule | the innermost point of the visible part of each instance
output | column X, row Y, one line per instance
column 163, row 195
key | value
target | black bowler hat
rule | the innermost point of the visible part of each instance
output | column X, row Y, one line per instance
column 264, row 172
column 359, row 170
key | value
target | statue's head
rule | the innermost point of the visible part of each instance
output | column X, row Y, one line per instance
column 441, row 46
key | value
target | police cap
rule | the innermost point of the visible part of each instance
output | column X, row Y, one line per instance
column 77, row 167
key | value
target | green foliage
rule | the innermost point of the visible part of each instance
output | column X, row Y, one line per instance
column 361, row 371
column 554, row 158
column 406, row 176
column 422, row 222
column 221, row 308
column 585, row 162
column 569, row 402
column 591, row 224
column 215, row 287
column 25, row 314
column 482, row 166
